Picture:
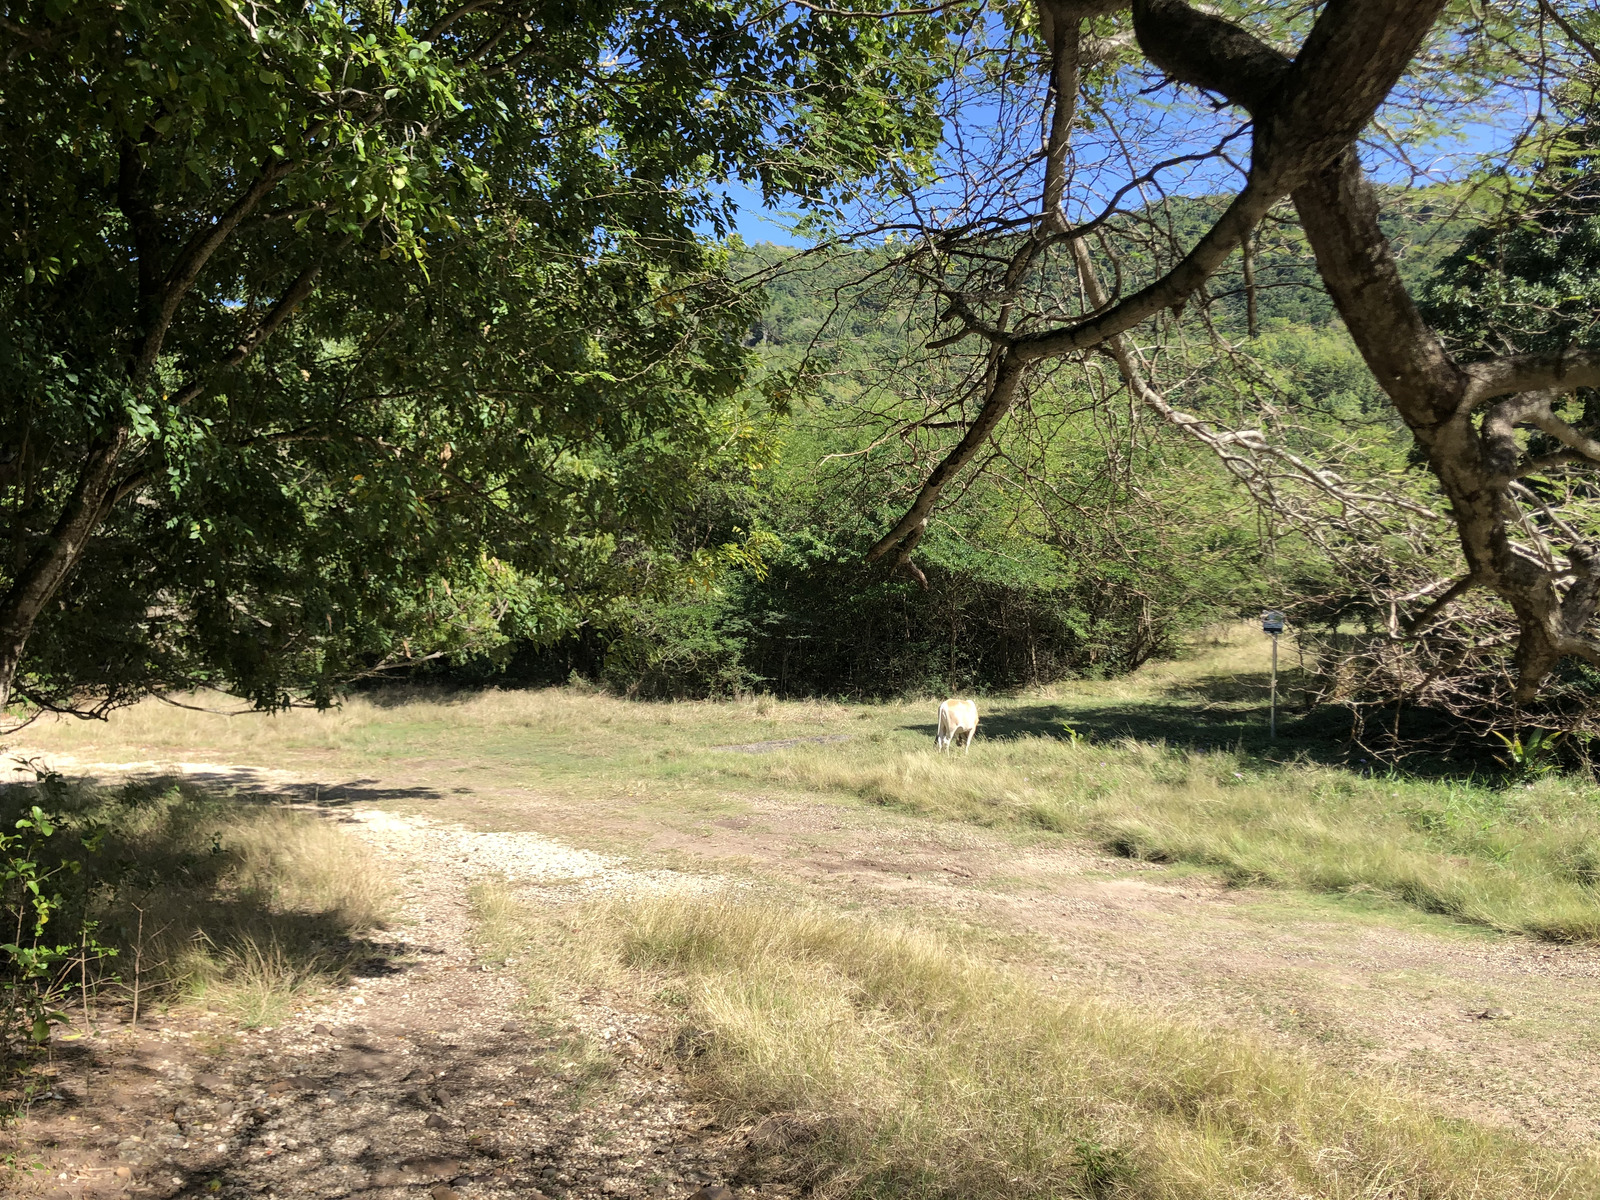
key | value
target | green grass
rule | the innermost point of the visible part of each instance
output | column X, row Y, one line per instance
column 1522, row 859
column 1514, row 859
column 890, row 1061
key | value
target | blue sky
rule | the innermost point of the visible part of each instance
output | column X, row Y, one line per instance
column 754, row 223
column 1486, row 130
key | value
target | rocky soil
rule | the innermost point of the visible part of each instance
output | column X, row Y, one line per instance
column 429, row 1076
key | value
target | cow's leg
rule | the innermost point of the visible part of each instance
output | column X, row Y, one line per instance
column 968, row 746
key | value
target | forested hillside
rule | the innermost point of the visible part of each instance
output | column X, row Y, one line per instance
column 1091, row 540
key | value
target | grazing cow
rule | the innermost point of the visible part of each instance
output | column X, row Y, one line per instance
column 955, row 718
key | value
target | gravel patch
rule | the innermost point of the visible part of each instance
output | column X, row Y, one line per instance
column 519, row 858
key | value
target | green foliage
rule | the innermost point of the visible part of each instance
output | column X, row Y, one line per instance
column 1083, row 547
column 1090, row 540
column 1526, row 280
column 671, row 649
column 1533, row 756
column 47, row 901
column 397, row 312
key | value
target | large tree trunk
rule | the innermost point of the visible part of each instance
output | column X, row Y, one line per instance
column 1470, row 442
column 38, row 581
column 1306, row 113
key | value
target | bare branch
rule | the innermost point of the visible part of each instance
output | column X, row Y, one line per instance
column 1419, row 624
column 1531, row 372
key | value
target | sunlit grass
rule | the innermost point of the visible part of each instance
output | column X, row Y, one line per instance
column 891, row 1061
column 1516, row 859
column 246, row 905
column 1525, row 858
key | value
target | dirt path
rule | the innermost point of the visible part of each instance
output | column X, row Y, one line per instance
column 427, row 1076
column 1371, row 989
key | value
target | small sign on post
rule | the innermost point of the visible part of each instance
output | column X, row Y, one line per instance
column 1272, row 622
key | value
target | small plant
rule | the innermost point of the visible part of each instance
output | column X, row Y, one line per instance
column 1532, row 757
column 1104, row 1168
column 1071, row 734
column 47, row 897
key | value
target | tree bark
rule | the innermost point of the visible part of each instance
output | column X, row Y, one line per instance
column 48, row 569
column 1475, row 464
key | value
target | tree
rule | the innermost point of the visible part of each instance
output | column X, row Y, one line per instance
column 1052, row 240
column 1525, row 278
column 314, row 317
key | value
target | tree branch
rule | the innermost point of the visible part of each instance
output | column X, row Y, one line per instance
column 1002, row 394
column 1584, row 43
column 1531, row 372
column 280, row 312
column 192, row 259
column 1306, row 112
column 1419, row 623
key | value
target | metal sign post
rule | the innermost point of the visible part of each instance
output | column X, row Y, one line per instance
column 1272, row 622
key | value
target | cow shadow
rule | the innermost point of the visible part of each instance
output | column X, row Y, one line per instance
column 1213, row 718
column 1191, row 721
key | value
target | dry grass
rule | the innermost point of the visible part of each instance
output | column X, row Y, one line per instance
column 284, row 915
column 1515, row 859
column 245, row 904
column 408, row 721
column 900, row 1064
column 1520, row 859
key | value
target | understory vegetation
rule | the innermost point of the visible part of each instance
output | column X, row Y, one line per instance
column 1088, row 546
column 121, row 899
column 1094, row 538
column 886, row 1060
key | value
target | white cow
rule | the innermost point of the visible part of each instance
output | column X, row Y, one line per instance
column 955, row 718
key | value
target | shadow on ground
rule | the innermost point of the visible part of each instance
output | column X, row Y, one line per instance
column 1245, row 687
column 1180, row 725
column 251, row 783
column 1227, row 724
column 1240, row 725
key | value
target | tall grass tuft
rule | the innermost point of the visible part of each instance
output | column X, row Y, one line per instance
column 895, row 1063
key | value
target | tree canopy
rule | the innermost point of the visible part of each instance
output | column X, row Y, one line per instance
column 344, row 332
column 351, row 334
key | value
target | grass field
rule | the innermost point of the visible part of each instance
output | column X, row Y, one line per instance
column 1065, row 763
column 882, row 1060
column 907, row 1031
